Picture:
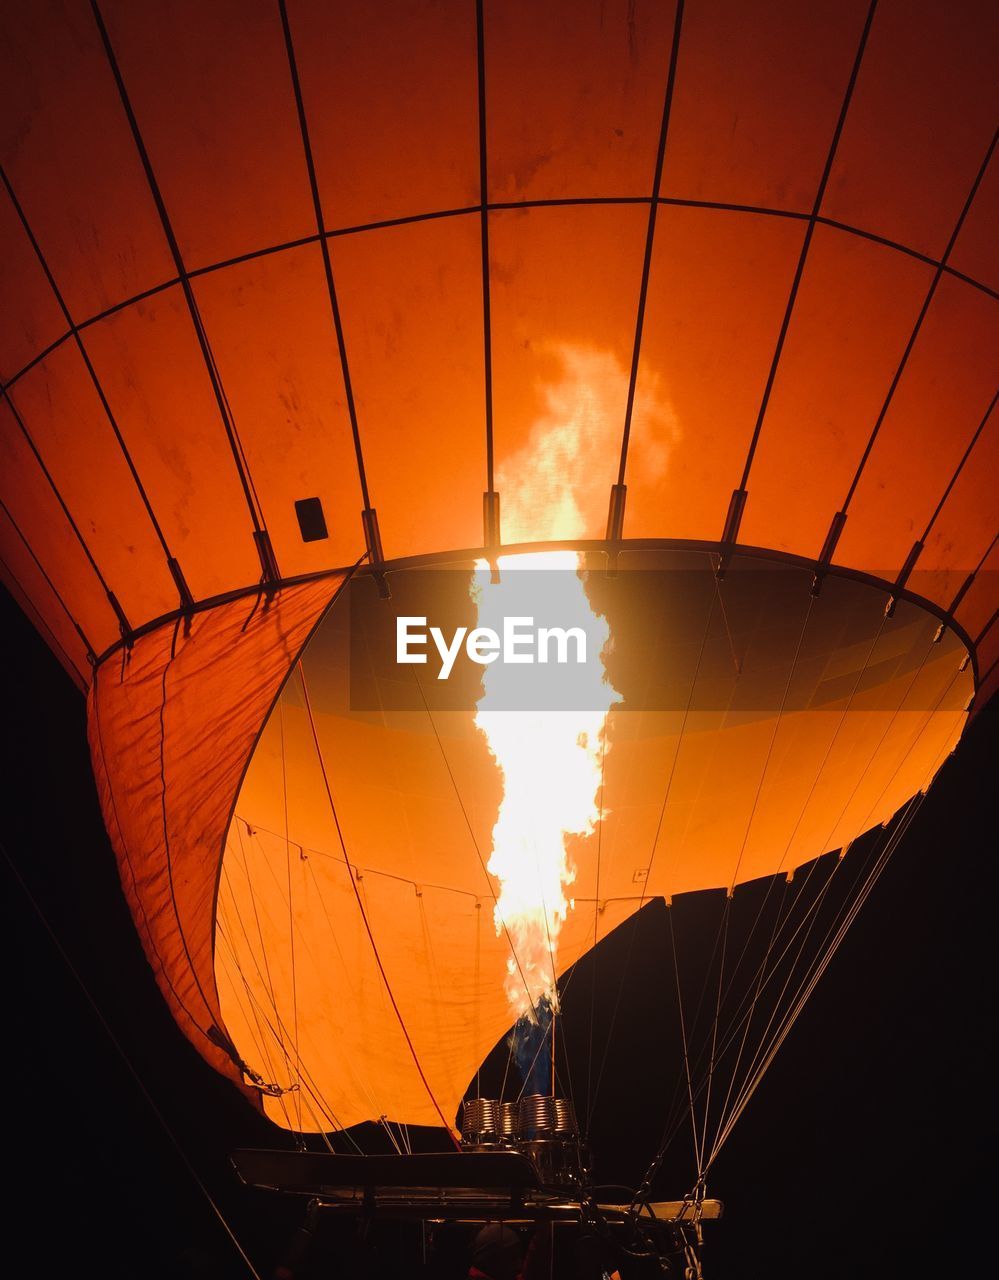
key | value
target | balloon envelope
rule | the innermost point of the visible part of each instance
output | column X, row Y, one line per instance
column 736, row 258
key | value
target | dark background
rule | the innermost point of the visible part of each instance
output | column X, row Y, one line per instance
column 866, row 1152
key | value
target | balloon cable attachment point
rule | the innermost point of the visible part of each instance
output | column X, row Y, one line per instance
column 730, row 534
column 828, row 550
column 376, row 556
column 270, row 574
column 615, row 526
column 491, row 533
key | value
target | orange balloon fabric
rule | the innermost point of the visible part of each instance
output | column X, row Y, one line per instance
column 735, row 257
column 172, row 728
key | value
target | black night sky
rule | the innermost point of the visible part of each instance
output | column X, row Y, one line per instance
column 865, row 1153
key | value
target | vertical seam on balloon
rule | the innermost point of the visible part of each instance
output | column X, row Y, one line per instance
column 487, row 338
column 128, row 857
column 992, row 667
column 54, row 589
column 988, row 627
column 649, row 240
column 325, row 250
column 360, row 907
column 62, row 503
column 960, row 466
column 214, row 377
column 950, row 613
column 166, row 835
column 907, row 751
column 923, row 311
column 884, row 735
column 430, row 959
column 806, row 243
column 291, row 913
column 74, row 332
column 773, row 740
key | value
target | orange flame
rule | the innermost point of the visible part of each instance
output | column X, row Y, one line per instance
column 551, row 761
column 551, row 765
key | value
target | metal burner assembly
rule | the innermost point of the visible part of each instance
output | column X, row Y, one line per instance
column 519, row 1163
column 541, row 1127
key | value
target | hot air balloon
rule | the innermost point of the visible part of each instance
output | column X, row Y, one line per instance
column 318, row 318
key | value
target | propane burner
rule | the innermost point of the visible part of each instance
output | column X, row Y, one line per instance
column 539, row 1126
column 487, row 1122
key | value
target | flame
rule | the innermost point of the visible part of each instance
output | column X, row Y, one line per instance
column 551, row 761
column 551, row 765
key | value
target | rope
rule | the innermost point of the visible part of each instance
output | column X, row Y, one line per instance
column 765, row 1052
column 822, row 962
column 364, row 914
column 655, row 846
column 291, row 913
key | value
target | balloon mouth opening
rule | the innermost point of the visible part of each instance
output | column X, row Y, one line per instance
column 362, row 831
